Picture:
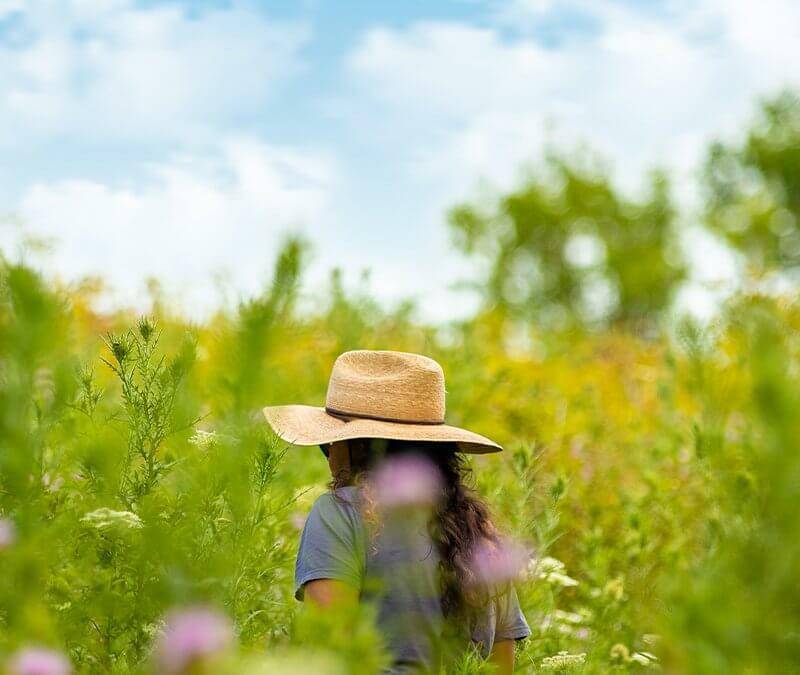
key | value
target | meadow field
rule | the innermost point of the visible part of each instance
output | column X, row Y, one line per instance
column 652, row 463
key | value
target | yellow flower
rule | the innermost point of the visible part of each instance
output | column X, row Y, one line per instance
column 615, row 588
column 620, row 652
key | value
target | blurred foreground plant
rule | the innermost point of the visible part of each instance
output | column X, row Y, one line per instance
column 738, row 609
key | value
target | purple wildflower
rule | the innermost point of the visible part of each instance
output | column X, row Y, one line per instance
column 406, row 480
column 39, row 661
column 190, row 635
column 298, row 521
column 8, row 533
column 498, row 562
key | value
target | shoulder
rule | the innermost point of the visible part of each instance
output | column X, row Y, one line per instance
column 332, row 542
column 338, row 506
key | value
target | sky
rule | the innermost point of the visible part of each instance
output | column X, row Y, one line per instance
column 186, row 139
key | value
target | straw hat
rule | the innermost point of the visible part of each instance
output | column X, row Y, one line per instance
column 377, row 394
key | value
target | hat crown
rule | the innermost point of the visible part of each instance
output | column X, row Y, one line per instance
column 388, row 385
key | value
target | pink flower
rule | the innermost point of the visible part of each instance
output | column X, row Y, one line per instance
column 39, row 661
column 406, row 480
column 498, row 562
column 8, row 533
column 298, row 521
column 190, row 635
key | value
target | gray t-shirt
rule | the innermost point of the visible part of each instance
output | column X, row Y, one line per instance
column 398, row 569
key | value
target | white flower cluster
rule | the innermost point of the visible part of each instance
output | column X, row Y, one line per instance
column 104, row 519
column 644, row 658
column 570, row 617
column 575, row 624
column 620, row 652
column 562, row 661
column 203, row 439
column 551, row 570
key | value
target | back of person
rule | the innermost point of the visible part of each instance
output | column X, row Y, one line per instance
column 402, row 527
column 398, row 569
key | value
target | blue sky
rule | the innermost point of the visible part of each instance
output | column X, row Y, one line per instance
column 186, row 139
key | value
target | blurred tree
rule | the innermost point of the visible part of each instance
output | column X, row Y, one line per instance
column 753, row 190
column 567, row 247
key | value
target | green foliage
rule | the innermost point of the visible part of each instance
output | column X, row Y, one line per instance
column 750, row 580
column 656, row 477
column 149, row 387
column 245, row 341
column 566, row 246
column 121, row 510
column 348, row 633
column 754, row 188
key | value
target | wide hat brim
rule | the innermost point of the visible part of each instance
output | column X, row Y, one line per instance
column 312, row 425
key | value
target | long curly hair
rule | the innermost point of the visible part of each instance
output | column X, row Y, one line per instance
column 459, row 520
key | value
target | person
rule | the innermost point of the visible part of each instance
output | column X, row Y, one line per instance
column 401, row 527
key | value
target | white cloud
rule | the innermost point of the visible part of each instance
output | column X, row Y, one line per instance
column 111, row 69
column 9, row 6
column 448, row 69
column 222, row 211
column 640, row 87
column 766, row 34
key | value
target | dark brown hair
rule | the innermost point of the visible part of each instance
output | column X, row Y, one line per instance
column 459, row 521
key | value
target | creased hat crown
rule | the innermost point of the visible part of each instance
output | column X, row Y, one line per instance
column 387, row 385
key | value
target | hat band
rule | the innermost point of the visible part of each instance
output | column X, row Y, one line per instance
column 342, row 413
